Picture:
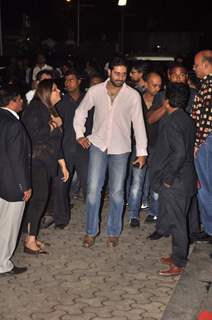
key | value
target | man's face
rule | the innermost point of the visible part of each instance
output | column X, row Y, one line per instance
column 199, row 66
column 72, row 83
column 118, row 75
column 153, row 84
column 178, row 75
column 18, row 103
column 135, row 75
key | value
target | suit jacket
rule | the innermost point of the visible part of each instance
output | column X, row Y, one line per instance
column 172, row 159
column 15, row 158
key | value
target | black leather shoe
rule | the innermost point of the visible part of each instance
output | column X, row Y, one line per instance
column 156, row 235
column 134, row 223
column 60, row 226
column 200, row 236
column 150, row 219
column 15, row 270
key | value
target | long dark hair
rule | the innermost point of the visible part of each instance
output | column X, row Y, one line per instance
column 43, row 93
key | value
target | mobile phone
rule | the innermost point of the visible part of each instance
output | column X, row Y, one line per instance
column 136, row 165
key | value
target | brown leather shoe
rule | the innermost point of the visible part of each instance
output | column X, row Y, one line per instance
column 167, row 260
column 173, row 271
column 112, row 241
column 88, row 241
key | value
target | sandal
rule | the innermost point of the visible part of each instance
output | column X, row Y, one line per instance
column 88, row 241
column 31, row 251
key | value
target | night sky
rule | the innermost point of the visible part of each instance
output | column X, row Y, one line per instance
column 55, row 17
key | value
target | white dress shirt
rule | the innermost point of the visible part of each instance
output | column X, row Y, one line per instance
column 112, row 121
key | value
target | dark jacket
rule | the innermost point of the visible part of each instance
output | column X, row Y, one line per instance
column 66, row 109
column 172, row 160
column 15, row 158
column 46, row 144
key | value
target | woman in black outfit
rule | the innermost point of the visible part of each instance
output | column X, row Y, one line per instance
column 44, row 128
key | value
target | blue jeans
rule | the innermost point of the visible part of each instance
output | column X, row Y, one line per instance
column 203, row 165
column 99, row 161
column 136, row 191
column 154, row 203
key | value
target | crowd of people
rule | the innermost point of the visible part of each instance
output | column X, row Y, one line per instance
column 140, row 136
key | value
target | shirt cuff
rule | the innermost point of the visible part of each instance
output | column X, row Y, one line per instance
column 141, row 152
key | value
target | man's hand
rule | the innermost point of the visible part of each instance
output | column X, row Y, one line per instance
column 139, row 162
column 27, row 195
column 55, row 122
column 166, row 185
column 84, row 142
column 65, row 173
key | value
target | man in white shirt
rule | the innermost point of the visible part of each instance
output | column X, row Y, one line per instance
column 117, row 106
column 40, row 65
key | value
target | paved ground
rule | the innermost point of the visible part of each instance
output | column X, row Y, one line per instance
column 99, row 283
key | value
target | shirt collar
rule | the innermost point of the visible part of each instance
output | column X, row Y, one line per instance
column 12, row 111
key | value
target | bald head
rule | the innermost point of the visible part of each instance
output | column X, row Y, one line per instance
column 153, row 83
column 203, row 63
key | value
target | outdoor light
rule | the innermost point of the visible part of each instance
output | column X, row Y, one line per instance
column 122, row 3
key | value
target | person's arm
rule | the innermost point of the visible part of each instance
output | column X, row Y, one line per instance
column 155, row 115
column 177, row 154
column 64, row 170
column 17, row 158
column 80, row 117
column 139, row 131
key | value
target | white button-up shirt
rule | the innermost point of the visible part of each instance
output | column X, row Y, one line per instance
column 112, row 121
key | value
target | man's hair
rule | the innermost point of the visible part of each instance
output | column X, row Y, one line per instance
column 175, row 65
column 75, row 72
column 141, row 66
column 7, row 94
column 177, row 94
column 42, row 72
column 117, row 61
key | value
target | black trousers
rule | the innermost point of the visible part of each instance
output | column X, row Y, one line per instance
column 173, row 209
column 61, row 201
column 193, row 217
column 37, row 203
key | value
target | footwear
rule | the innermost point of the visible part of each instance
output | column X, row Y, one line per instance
column 167, row 260
column 31, row 251
column 112, row 241
column 60, row 226
column 144, row 206
column 200, row 236
column 173, row 271
column 210, row 255
column 156, row 235
column 15, row 270
column 88, row 241
column 134, row 222
column 150, row 219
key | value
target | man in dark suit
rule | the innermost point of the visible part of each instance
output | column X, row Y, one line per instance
column 14, row 176
column 173, row 175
